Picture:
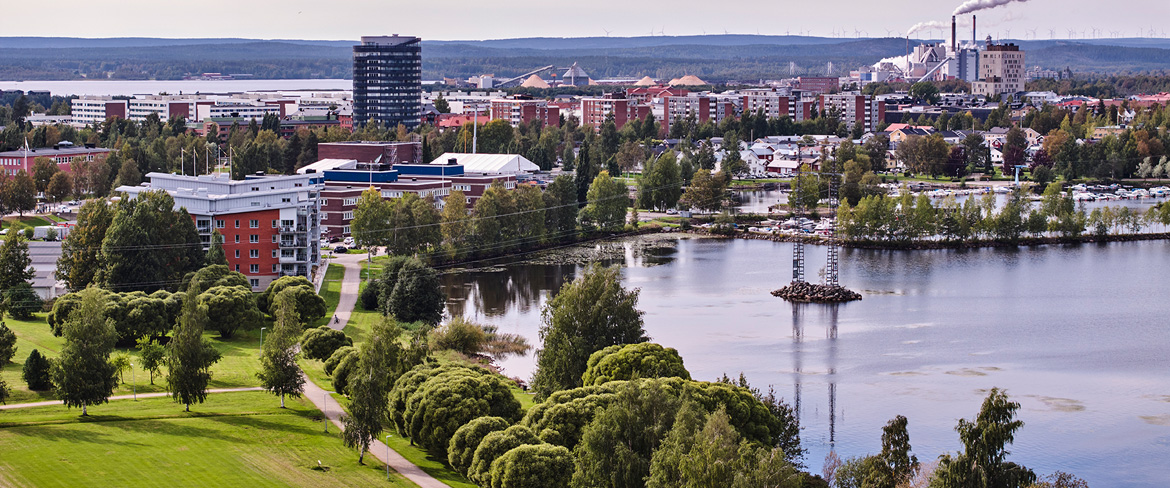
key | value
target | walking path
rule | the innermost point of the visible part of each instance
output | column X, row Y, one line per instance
column 124, row 397
column 350, row 284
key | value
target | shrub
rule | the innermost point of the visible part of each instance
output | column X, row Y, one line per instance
column 22, row 302
column 7, row 344
column 461, row 450
column 336, row 358
column 322, row 342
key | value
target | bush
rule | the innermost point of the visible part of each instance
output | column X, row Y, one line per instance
column 337, row 357
column 458, row 335
column 36, row 372
column 446, row 401
column 493, row 446
column 341, row 373
column 322, row 342
column 632, row 361
column 22, row 302
column 7, row 344
column 370, row 294
column 461, row 450
column 533, row 466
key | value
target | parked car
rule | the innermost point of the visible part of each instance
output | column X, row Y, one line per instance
column 341, row 249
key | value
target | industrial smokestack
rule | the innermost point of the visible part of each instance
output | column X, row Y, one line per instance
column 974, row 34
column 954, row 36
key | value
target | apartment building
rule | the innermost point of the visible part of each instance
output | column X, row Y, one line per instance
column 595, row 109
column 702, row 107
column 852, row 108
column 521, row 111
column 1001, row 70
column 270, row 224
column 387, row 81
column 12, row 162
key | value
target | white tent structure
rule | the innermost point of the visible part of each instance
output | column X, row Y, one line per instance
column 490, row 164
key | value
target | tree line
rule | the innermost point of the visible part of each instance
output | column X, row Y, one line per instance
column 908, row 219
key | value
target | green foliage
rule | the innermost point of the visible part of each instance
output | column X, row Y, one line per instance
column 461, row 450
column 215, row 253
column 233, row 308
column 632, row 361
column 983, row 460
column 189, row 355
column 310, row 305
column 149, row 244
column 660, row 185
column 21, row 301
column 214, row 275
column 706, row 192
column 450, row 399
column 493, row 446
column 560, row 199
column 716, row 453
column 334, row 359
column 473, row 339
column 152, row 354
column 585, row 316
column 608, row 199
column 616, row 447
column 416, row 295
column 15, row 263
column 37, row 372
column 456, row 227
column 82, row 373
column 81, row 250
column 346, row 364
column 320, row 343
column 279, row 373
column 560, row 418
column 8, row 344
column 532, row 466
column 926, row 91
column 379, row 362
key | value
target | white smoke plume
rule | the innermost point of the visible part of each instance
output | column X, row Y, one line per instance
column 977, row 5
column 922, row 26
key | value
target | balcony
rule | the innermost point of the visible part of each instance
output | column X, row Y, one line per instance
column 292, row 244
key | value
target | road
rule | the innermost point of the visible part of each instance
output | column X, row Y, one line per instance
column 350, row 286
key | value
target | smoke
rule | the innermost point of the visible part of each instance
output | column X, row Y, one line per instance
column 924, row 26
column 976, row 5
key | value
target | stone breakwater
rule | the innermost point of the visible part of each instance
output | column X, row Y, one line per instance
column 801, row 291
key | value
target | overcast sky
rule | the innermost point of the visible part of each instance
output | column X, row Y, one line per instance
column 461, row 19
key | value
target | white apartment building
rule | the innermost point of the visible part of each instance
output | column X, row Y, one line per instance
column 1001, row 70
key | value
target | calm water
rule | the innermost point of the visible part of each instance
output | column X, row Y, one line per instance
column 174, row 87
column 1077, row 334
column 758, row 201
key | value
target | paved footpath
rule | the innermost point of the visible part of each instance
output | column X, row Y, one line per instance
column 350, row 284
column 124, row 397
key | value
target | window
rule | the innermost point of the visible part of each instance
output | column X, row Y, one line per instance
column 391, row 193
column 219, row 224
column 254, row 238
column 254, row 268
column 237, row 238
column 347, row 215
column 254, row 282
column 286, row 200
column 324, row 202
column 274, row 224
column 237, row 224
column 238, row 268
column 286, row 223
column 274, row 253
column 254, row 224
column 345, row 229
column 349, row 202
column 237, row 255
column 275, row 238
column 276, row 268
column 254, row 253
column 461, row 187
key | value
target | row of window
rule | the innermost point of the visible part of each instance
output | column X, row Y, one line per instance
column 252, row 224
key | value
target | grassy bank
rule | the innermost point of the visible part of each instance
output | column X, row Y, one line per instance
column 234, row 439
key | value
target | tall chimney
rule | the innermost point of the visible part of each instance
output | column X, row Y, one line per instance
column 974, row 35
column 954, row 36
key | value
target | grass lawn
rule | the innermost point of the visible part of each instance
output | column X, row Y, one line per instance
column 234, row 439
column 237, row 368
column 26, row 221
column 331, row 292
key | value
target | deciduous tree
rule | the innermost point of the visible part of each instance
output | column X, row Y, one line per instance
column 279, row 373
column 83, row 374
column 189, row 355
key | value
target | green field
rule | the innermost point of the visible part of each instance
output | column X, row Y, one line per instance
column 26, row 221
column 234, row 439
column 237, row 368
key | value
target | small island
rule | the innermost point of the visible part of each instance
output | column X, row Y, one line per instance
column 803, row 291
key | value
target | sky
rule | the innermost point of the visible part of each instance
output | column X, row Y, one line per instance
column 469, row 20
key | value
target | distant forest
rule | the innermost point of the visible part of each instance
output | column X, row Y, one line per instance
column 766, row 57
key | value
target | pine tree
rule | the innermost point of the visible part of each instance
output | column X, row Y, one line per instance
column 279, row 373
column 215, row 254
column 190, row 356
column 83, row 374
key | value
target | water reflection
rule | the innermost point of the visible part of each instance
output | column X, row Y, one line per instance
column 496, row 291
column 798, row 332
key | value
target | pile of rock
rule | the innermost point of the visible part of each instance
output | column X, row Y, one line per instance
column 802, row 291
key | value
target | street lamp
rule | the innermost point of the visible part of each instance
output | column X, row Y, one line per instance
column 262, row 341
column 388, row 456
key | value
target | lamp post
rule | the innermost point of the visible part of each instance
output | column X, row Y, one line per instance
column 388, row 457
column 262, row 341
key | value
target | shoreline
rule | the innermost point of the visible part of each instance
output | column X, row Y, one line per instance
column 934, row 245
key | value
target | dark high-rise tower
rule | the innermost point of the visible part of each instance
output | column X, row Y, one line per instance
column 387, row 80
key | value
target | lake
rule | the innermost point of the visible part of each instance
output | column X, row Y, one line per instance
column 173, row 87
column 1077, row 334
